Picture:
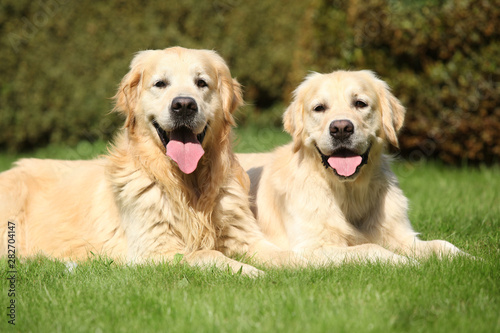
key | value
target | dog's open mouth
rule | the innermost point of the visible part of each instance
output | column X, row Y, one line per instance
column 345, row 162
column 183, row 146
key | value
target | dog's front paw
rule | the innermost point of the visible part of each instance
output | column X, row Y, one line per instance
column 402, row 260
column 248, row 270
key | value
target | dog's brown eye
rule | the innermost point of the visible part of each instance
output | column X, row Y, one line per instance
column 319, row 108
column 360, row 104
column 160, row 84
column 201, row 83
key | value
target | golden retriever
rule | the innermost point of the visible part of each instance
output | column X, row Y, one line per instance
column 331, row 192
column 170, row 184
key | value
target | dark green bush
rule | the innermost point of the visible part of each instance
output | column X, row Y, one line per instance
column 61, row 61
column 440, row 58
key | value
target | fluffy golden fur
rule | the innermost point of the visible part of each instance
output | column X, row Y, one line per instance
column 137, row 203
column 331, row 194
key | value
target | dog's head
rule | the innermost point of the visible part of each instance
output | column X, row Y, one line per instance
column 344, row 116
column 180, row 99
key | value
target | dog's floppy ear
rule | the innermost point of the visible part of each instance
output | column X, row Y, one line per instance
column 129, row 90
column 229, row 88
column 293, row 123
column 393, row 112
column 231, row 95
column 293, row 118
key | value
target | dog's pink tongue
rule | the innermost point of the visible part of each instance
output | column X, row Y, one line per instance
column 345, row 166
column 184, row 149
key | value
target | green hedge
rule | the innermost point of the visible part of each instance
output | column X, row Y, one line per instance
column 61, row 61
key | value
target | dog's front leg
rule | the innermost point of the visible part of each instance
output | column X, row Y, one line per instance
column 337, row 255
column 203, row 259
column 400, row 236
column 210, row 258
column 424, row 249
column 404, row 240
column 271, row 255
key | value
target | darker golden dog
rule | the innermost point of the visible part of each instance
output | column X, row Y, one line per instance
column 169, row 185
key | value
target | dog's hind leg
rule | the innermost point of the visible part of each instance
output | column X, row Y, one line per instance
column 13, row 200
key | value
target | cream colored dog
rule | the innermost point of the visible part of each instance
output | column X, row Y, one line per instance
column 171, row 183
column 331, row 193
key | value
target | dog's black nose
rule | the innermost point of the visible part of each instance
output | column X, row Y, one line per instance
column 341, row 129
column 184, row 106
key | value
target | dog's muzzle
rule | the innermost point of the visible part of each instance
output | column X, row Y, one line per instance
column 165, row 137
column 345, row 162
column 182, row 145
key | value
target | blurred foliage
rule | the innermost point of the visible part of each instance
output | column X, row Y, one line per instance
column 62, row 60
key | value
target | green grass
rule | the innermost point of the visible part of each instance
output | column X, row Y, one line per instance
column 459, row 205
column 458, row 296
column 251, row 139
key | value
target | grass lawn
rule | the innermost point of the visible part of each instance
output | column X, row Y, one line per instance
column 459, row 205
